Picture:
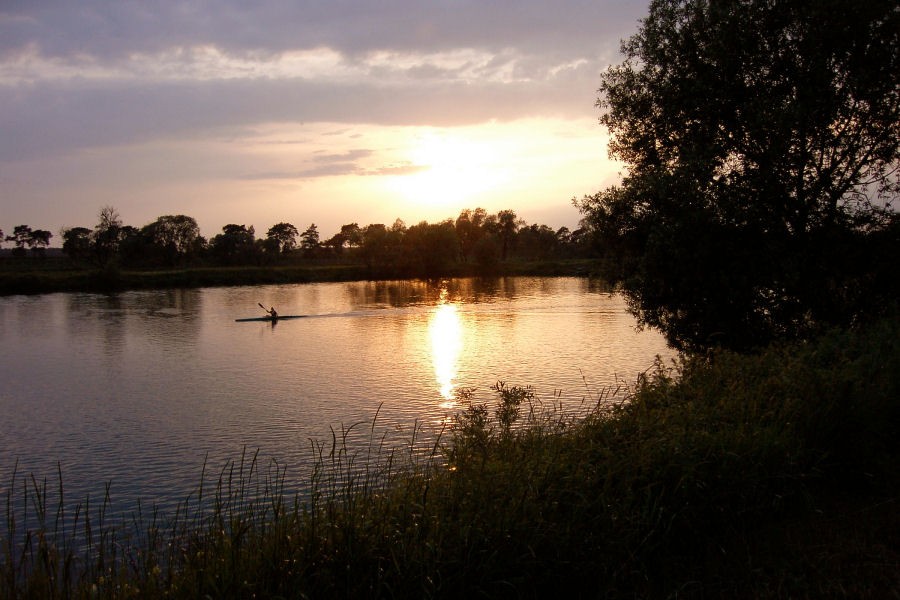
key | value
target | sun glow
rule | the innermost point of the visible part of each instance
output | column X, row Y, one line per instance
column 451, row 169
column 445, row 331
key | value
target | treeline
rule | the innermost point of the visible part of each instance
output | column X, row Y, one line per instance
column 474, row 238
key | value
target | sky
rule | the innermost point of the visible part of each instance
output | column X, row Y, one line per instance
column 326, row 112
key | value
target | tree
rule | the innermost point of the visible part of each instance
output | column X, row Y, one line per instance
column 309, row 240
column 107, row 235
column 176, row 236
column 40, row 239
column 77, row 242
column 350, row 236
column 283, row 236
column 536, row 242
column 381, row 247
column 469, row 229
column 761, row 143
column 507, row 226
column 20, row 237
column 429, row 250
column 37, row 240
column 236, row 243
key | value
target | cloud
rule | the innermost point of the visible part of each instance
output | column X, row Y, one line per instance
column 322, row 164
column 351, row 27
column 75, row 75
column 55, row 118
column 406, row 168
column 337, row 165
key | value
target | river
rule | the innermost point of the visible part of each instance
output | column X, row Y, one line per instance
column 138, row 390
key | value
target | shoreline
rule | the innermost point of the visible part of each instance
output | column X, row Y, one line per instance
column 43, row 278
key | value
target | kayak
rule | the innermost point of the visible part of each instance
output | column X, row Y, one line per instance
column 278, row 318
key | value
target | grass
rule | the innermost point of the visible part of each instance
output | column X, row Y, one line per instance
column 723, row 476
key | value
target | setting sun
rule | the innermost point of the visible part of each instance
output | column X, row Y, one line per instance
column 452, row 169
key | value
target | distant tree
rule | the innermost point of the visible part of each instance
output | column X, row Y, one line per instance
column 107, row 235
column 429, row 250
column 350, row 236
column 469, row 229
column 762, row 146
column 486, row 253
column 77, row 242
column 309, row 240
column 507, row 227
column 381, row 247
column 236, row 243
column 399, row 226
column 536, row 242
column 134, row 247
column 40, row 240
column 283, row 236
column 177, row 237
column 20, row 237
column 1, row 237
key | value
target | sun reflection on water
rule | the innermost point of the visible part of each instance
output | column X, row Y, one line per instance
column 445, row 331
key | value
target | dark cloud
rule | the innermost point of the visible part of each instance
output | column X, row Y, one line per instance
column 56, row 117
column 532, row 39
column 115, row 29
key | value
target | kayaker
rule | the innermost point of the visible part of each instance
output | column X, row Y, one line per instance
column 272, row 313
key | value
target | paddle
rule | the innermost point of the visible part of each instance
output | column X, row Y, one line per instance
column 267, row 310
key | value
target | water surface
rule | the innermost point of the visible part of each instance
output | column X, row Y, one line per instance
column 138, row 389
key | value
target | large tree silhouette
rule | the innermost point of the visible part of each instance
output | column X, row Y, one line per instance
column 761, row 146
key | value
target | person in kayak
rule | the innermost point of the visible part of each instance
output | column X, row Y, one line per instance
column 272, row 313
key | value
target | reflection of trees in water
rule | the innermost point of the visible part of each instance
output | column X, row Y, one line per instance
column 595, row 285
column 392, row 293
column 168, row 318
column 400, row 293
column 186, row 303
column 167, row 315
column 92, row 317
column 288, row 299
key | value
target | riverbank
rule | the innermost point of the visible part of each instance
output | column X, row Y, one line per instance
column 767, row 476
column 37, row 276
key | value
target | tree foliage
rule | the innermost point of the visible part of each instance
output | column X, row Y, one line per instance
column 283, row 237
column 309, row 240
column 77, row 243
column 176, row 237
column 23, row 235
column 107, row 235
column 422, row 250
column 236, row 243
column 761, row 143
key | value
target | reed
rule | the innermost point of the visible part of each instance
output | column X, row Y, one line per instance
column 720, row 476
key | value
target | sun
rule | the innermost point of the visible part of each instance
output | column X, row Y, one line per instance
column 450, row 169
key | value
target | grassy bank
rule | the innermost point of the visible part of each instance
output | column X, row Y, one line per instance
column 727, row 477
column 35, row 276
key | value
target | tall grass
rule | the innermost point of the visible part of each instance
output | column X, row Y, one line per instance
column 722, row 476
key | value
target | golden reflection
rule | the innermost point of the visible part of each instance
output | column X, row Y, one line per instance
column 445, row 330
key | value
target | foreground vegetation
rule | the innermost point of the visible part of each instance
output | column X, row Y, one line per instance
column 726, row 476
